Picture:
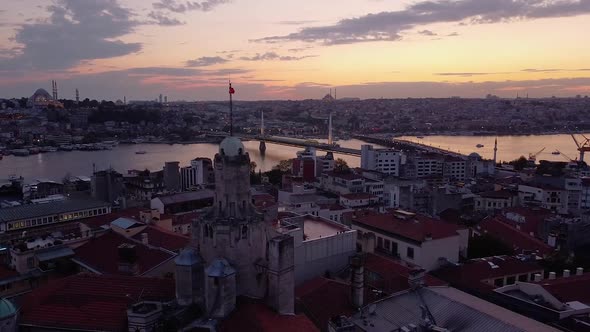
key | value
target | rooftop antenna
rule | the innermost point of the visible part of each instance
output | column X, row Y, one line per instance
column 231, row 110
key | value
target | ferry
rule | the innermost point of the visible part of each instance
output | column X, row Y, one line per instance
column 479, row 146
column 140, row 152
column 420, row 137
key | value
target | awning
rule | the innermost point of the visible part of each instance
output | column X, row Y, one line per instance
column 54, row 254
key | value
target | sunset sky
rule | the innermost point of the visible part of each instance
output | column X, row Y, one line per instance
column 281, row 49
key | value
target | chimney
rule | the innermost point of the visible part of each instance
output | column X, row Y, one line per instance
column 358, row 280
column 552, row 275
column 145, row 239
column 579, row 271
column 416, row 278
column 127, row 259
column 538, row 277
column 566, row 273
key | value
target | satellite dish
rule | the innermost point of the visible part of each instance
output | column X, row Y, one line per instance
column 372, row 309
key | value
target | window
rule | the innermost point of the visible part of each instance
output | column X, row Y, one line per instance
column 379, row 242
column 523, row 277
column 386, row 244
column 499, row 282
column 510, row 280
column 410, row 253
column 394, row 248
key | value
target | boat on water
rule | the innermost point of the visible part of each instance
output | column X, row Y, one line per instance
column 140, row 152
column 479, row 146
column 420, row 137
column 556, row 152
column 21, row 152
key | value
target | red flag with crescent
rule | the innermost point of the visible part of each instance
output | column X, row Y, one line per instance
column 231, row 90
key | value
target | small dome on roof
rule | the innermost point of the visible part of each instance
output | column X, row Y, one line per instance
column 220, row 268
column 231, row 147
column 7, row 309
column 474, row 155
column 188, row 257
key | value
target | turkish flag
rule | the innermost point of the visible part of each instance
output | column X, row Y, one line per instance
column 231, row 90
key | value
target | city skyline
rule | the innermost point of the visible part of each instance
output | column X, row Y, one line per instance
column 284, row 50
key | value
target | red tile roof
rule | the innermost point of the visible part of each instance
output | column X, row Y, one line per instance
column 101, row 253
column 471, row 274
column 98, row 221
column 518, row 240
column 6, row 272
column 532, row 218
column 321, row 299
column 185, row 218
column 416, row 228
column 90, row 302
column 252, row 315
column 574, row 288
column 393, row 274
column 160, row 238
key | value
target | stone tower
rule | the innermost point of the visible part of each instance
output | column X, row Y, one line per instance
column 231, row 229
column 190, row 273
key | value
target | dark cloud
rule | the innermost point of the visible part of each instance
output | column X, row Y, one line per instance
column 184, row 6
column 388, row 26
column 75, row 31
column 206, row 61
column 427, row 33
column 163, row 20
column 272, row 56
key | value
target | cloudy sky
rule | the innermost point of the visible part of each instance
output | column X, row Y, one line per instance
column 284, row 49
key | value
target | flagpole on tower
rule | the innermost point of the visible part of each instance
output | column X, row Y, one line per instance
column 231, row 110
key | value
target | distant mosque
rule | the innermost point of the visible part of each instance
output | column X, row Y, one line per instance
column 41, row 98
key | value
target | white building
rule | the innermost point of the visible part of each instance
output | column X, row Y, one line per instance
column 387, row 161
column 414, row 238
column 196, row 174
column 320, row 245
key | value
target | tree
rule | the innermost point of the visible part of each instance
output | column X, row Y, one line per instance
column 253, row 166
column 520, row 163
column 341, row 166
column 486, row 246
column 284, row 166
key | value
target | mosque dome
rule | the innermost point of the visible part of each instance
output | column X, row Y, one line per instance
column 188, row 257
column 7, row 309
column 41, row 93
column 231, row 147
column 474, row 155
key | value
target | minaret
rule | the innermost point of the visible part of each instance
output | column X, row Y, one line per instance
column 262, row 146
column 330, row 138
column 77, row 96
column 262, row 124
column 495, row 151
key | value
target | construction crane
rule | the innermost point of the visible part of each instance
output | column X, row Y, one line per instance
column 566, row 157
column 582, row 147
column 533, row 156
